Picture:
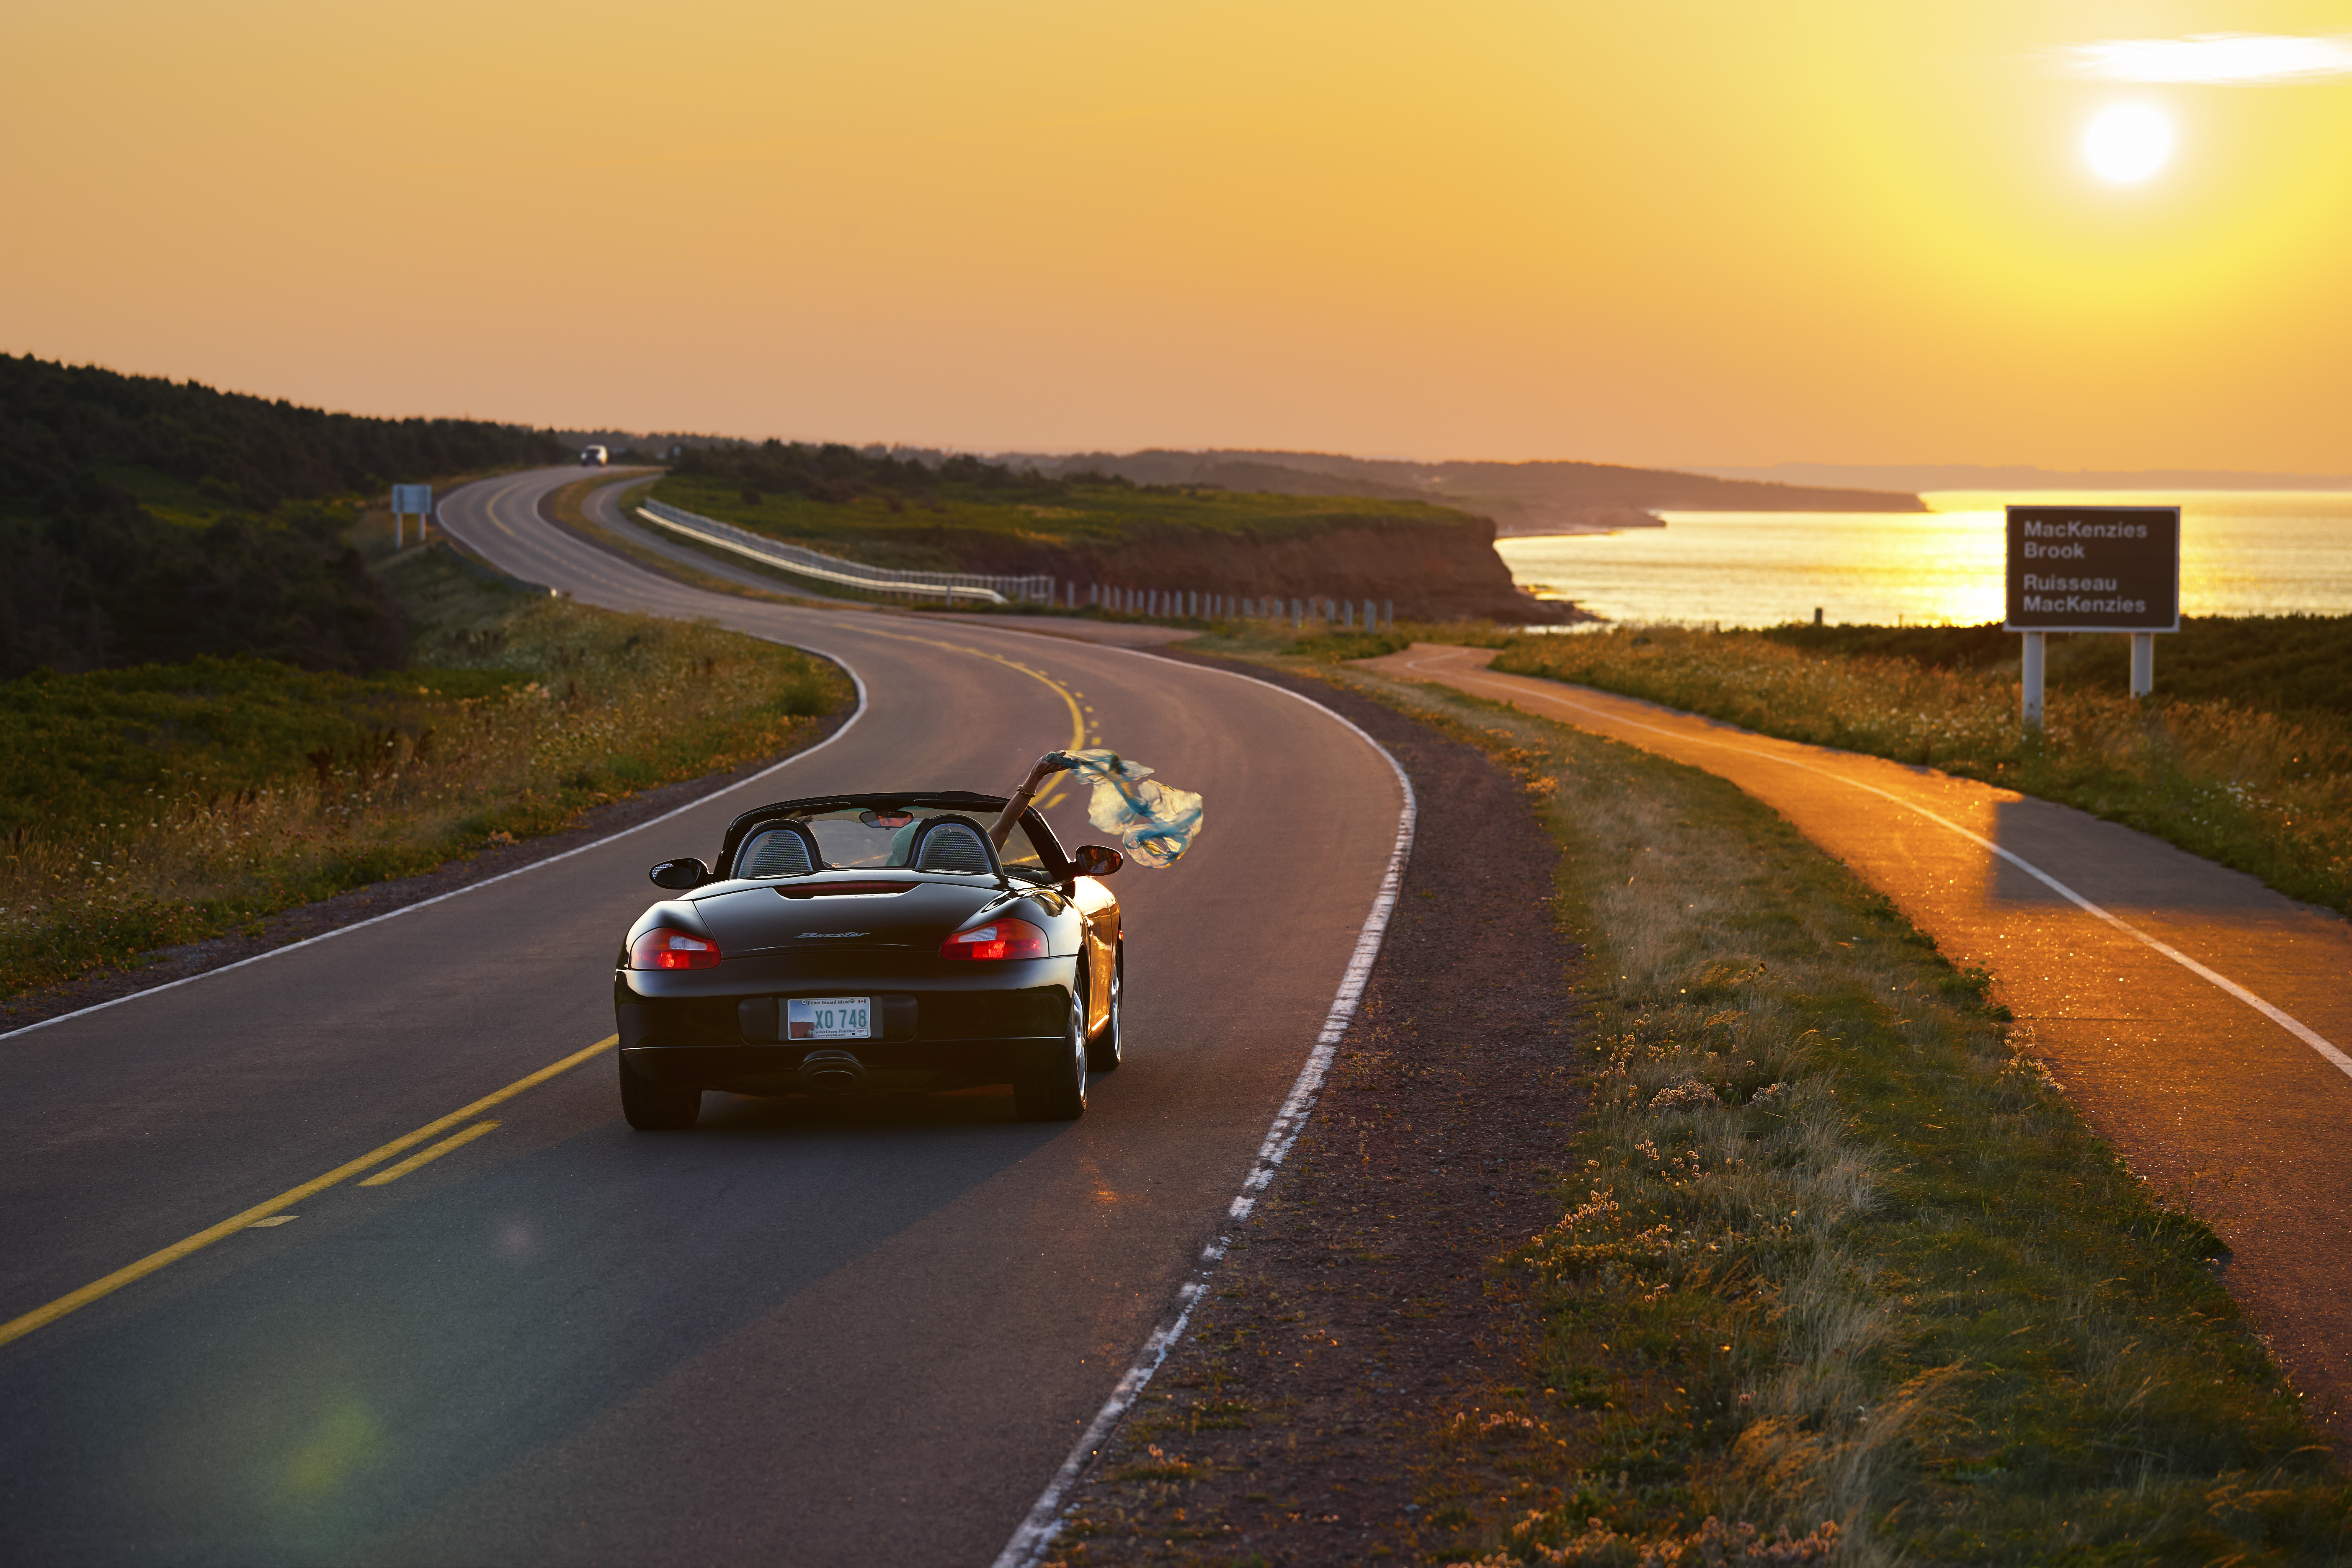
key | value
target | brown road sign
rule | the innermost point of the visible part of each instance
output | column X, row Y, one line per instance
column 2093, row 568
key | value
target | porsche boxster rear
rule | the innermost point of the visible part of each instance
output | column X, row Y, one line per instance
column 874, row 944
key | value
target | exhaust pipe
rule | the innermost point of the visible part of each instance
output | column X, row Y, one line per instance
column 832, row 1072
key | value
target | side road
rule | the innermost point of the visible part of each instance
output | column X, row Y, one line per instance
column 2200, row 1020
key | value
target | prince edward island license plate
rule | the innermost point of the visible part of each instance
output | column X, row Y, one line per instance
column 829, row 1018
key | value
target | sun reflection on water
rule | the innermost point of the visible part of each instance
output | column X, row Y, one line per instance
column 2242, row 553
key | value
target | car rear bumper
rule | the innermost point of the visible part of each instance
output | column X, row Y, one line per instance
column 842, row 1067
column 930, row 1034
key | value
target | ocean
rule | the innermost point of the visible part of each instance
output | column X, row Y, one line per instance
column 2242, row 553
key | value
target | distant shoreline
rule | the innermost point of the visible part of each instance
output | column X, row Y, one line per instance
column 1920, row 478
column 2222, row 501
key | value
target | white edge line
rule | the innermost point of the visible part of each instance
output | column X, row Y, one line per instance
column 693, row 805
column 1044, row 1521
column 2284, row 1020
column 1037, row 1531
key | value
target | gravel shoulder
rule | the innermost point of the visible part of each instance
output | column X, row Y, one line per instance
column 1352, row 1387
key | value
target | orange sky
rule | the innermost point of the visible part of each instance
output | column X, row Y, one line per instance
column 1693, row 231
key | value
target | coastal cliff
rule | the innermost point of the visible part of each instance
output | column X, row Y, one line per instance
column 1430, row 562
column 1429, row 570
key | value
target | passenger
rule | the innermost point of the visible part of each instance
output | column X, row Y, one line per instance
column 1050, row 764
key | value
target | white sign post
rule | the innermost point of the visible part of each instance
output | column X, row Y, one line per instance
column 2092, row 569
column 406, row 499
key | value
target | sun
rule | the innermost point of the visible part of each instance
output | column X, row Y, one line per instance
column 2126, row 144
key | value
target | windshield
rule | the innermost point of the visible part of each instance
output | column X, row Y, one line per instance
column 871, row 838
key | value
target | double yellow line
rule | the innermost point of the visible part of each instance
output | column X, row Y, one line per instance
column 1069, row 699
column 41, row 1317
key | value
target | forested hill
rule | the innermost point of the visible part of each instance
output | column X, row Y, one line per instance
column 145, row 519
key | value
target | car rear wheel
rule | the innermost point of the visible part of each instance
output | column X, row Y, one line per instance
column 1058, row 1092
column 1102, row 1050
column 653, row 1107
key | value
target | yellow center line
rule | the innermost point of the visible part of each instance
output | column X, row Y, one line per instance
column 41, row 1317
column 427, row 1156
column 1055, row 792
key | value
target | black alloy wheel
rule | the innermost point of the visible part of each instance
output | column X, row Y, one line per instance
column 653, row 1107
column 1102, row 1050
column 1058, row 1093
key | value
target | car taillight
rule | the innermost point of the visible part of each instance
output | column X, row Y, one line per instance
column 997, row 938
column 666, row 947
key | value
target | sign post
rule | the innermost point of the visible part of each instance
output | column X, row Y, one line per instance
column 2092, row 569
column 406, row 499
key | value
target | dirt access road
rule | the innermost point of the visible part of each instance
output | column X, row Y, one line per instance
column 2202, row 1021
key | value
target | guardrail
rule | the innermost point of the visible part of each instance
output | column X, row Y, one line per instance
column 801, row 562
column 1150, row 604
column 1188, row 605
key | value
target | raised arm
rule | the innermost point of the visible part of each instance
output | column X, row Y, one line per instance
column 1051, row 762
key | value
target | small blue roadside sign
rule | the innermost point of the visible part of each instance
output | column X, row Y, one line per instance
column 406, row 499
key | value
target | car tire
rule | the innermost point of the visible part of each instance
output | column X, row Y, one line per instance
column 653, row 1107
column 1102, row 1050
column 1058, row 1092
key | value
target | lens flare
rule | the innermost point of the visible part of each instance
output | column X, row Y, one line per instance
column 2129, row 143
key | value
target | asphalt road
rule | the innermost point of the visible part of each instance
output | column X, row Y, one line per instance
column 804, row 1332
column 2180, row 1067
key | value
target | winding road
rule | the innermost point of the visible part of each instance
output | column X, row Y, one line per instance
column 805, row 1332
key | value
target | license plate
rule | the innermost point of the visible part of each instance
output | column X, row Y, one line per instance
column 829, row 1018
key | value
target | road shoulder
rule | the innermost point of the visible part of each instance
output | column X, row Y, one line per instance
column 1361, row 1312
column 1828, row 1269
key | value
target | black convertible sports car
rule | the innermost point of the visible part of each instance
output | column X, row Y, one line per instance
column 872, row 944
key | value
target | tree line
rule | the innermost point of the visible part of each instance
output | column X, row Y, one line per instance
column 839, row 474
column 256, row 567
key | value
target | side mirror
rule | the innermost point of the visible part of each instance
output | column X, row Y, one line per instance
column 680, row 876
column 1094, row 860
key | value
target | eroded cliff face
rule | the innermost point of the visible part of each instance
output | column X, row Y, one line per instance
column 1430, row 572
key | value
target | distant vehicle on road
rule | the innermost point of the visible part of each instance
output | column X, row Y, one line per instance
column 593, row 457
column 872, row 944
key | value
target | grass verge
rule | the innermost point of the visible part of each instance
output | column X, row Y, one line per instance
column 1324, row 644
column 2267, row 792
column 1842, row 1276
column 169, row 802
column 946, row 523
column 2281, row 664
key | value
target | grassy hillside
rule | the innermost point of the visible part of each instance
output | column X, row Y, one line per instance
column 166, row 803
column 961, row 513
column 147, row 521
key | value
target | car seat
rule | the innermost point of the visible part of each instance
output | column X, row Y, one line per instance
column 784, row 851
column 953, row 845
